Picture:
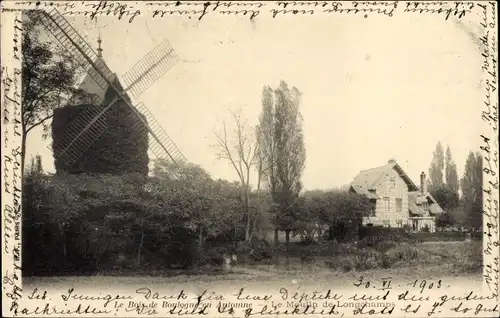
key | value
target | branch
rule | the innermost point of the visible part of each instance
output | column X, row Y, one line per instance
column 224, row 151
column 31, row 111
column 39, row 123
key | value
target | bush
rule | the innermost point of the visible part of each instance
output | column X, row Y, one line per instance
column 255, row 251
column 372, row 235
column 402, row 253
column 441, row 236
column 359, row 260
column 384, row 246
column 382, row 255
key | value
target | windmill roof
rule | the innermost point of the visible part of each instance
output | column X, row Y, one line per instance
column 89, row 85
column 102, row 94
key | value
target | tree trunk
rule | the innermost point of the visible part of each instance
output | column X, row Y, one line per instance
column 23, row 150
column 253, row 230
column 247, row 227
column 276, row 237
column 200, row 241
column 141, row 243
column 330, row 232
column 287, row 238
column 64, row 250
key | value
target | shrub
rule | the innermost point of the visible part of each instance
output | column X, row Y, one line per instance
column 403, row 252
column 355, row 259
column 254, row 251
column 372, row 235
column 383, row 246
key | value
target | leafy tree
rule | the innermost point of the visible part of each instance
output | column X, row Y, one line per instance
column 446, row 198
column 281, row 145
column 309, row 223
column 472, row 195
column 207, row 207
column 451, row 176
column 49, row 78
column 436, row 168
column 344, row 205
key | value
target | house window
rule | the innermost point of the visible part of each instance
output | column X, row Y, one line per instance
column 387, row 204
column 399, row 223
column 372, row 208
column 399, row 204
column 392, row 184
column 387, row 223
column 425, row 205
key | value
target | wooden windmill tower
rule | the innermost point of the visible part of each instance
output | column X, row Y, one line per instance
column 92, row 122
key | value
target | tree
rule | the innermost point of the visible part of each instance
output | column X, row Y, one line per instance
column 206, row 206
column 309, row 222
column 446, row 198
column 281, row 141
column 240, row 150
column 450, row 202
column 436, row 168
column 472, row 196
column 451, row 175
column 49, row 78
column 266, row 146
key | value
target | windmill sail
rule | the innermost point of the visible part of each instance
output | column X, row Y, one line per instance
column 139, row 78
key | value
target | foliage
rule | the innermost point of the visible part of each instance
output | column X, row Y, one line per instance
column 446, row 198
column 462, row 257
column 472, row 193
column 89, row 223
column 281, row 147
column 436, row 169
column 208, row 206
column 449, row 201
column 451, row 176
column 49, row 77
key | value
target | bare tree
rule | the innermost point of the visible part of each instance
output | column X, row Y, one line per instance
column 239, row 148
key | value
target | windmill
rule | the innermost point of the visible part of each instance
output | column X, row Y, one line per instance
column 89, row 125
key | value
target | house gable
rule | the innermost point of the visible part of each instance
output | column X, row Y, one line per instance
column 397, row 198
column 369, row 180
column 389, row 186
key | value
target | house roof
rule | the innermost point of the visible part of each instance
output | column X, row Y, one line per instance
column 367, row 180
column 415, row 200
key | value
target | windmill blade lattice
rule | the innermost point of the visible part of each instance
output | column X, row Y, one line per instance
column 76, row 137
column 151, row 67
column 164, row 141
column 79, row 49
column 139, row 78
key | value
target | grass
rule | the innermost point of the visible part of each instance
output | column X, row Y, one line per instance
column 461, row 257
column 424, row 259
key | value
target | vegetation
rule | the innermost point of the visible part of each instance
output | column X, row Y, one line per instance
column 463, row 210
column 282, row 151
column 49, row 78
column 182, row 218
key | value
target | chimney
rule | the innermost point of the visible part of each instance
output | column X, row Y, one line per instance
column 423, row 183
column 392, row 161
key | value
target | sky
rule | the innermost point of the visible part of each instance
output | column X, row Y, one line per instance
column 373, row 89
